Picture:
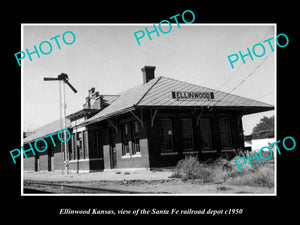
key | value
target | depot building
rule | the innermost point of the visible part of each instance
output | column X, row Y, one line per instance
column 152, row 125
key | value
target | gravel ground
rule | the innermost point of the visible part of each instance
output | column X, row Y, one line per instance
column 113, row 175
column 144, row 181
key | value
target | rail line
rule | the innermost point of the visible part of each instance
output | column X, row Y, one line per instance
column 49, row 187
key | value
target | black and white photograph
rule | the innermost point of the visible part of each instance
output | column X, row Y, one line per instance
column 146, row 111
column 173, row 115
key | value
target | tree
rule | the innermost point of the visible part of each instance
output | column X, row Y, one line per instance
column 264, row 129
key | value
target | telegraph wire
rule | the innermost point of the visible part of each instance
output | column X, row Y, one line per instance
column 266, row 35
column 264, row 95
column 246, row 78
column 234, row 72
column 250, row 74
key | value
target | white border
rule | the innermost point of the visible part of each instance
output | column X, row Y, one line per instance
column 149, row 24
column 275, row 109
column 22, row 118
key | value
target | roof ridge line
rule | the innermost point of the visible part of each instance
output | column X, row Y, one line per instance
column 148, row 90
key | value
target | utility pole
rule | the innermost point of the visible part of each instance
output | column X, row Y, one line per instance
column 63, row 79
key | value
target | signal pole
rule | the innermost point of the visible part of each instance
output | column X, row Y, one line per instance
column 63, row 79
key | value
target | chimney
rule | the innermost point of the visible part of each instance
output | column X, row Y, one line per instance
column 95, row 95
column 92, row 96
column 87, row 104
column 91, row 91
column 148, row 73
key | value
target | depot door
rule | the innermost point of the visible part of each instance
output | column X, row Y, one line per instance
column 50, row 160
column 112, row 148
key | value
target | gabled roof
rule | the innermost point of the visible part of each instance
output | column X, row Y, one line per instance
column 126, row 101
column 82, row 113
column 43, row 131
column 158, row 93
column 108, row 99
column 55, row 126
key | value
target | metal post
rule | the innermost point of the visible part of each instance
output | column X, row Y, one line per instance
column 60, row 83
column 65, row 126
column 63, row 123
column 63, row 78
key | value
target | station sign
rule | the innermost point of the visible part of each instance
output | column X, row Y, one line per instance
column 190, row 95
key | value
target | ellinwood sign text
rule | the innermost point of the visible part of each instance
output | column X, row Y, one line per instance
column 182, row 95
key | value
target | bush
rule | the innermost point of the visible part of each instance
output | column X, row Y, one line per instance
column 190, row 168
column 225, row 171
column 263, row 176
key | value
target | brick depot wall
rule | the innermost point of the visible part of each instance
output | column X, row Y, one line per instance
column 86, row 165
column 157, row 159
column 44, row 162
column 29, row 164
column 79, row 165
column 134, row 161
column 96, row 164
column 58, row 161
column 131, row 161
column 106, row 157
column 150, row 140
column 73, row 165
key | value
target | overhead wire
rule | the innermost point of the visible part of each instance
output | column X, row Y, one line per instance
column 264, row 95
column 251, row 73
column 247, row 77
column 235, row 71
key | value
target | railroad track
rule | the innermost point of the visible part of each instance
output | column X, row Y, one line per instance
column 49, row 187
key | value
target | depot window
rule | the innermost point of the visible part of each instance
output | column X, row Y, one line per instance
column 225, row 134
column 125, row 139
column 166, row 135
column 206, row 133
column 95, row 144
column 135, row 134
column 71, row 148
column 80, row 145
column 187, row 133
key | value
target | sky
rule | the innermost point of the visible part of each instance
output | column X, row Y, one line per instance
column 108, row 57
